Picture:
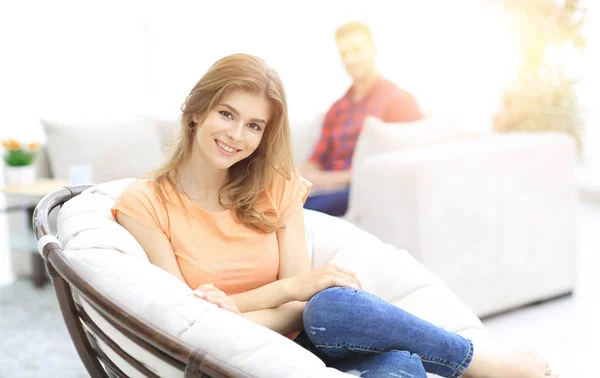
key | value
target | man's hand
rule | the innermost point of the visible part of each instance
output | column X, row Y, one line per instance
column 309, row 170
column 320, row 179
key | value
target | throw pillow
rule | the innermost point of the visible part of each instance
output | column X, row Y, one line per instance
column 113, row 151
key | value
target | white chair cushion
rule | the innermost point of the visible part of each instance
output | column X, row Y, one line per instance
column 111, row 259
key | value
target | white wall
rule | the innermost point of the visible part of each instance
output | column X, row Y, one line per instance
column 84, row 61
column 420, row 47
column 71, row 61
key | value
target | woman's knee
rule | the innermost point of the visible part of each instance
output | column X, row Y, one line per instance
column 331, row 294
column 325, row 305
column 340, row 299
column 333, row 297
column 338, row 303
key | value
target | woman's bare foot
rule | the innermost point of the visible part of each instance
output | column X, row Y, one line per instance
column 520, row 364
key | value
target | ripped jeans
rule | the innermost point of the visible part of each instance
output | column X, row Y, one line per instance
column 361, row 334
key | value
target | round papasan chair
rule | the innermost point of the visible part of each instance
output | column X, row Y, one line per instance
column 129, row 318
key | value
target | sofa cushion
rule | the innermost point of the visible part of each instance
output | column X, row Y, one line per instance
column 113, row 151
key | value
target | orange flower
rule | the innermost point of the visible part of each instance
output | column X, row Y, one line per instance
column 13, row 145
column 4, row 143
column 33, row 146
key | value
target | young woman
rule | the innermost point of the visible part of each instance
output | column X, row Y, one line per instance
column 224, row 215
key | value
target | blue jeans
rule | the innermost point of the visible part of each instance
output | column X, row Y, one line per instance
column 359, row 333
column 334, row 203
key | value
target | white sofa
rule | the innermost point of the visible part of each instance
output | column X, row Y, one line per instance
column 491, row 215
column 108, row 258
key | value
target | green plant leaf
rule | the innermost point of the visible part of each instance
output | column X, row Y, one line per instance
column 19, row 158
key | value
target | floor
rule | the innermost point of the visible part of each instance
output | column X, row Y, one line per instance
column 565, row 330
column 33, row 338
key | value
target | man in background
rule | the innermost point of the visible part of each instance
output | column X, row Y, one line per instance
column 329, row 167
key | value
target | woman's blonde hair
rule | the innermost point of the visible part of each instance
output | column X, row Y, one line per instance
column 248, row 179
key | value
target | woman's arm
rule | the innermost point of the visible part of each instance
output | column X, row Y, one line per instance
column 296, row 280
column 293, row 261
column 293, row 251
column 285, row 319
column 156, row 244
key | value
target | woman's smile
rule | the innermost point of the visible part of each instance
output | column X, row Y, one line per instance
column 226, row 149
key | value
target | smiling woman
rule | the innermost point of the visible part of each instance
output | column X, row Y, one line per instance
column 214, row 213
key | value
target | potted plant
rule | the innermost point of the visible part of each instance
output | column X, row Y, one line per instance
column 543, row 96
column 19, row 161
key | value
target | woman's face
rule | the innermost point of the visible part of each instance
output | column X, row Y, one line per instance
column 233, row 129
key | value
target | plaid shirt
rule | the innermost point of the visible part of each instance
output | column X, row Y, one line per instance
column 344, row 120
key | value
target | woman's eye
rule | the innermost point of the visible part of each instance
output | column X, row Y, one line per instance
column 254, row 126
column 225, row 113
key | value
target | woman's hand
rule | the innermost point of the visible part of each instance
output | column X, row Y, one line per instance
column 307, row 285
column 211, row 294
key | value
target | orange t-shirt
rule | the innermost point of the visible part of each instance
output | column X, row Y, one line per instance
column 212, row 247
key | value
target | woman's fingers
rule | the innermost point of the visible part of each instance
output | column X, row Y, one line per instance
column 209, row 292
column 353, row 275
column 207, row 286
column 223, row 303
column 214, row 299
column 349, row 273
column 348, row 278
column 344, row 280
column 334, row 277
column 218, row 301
